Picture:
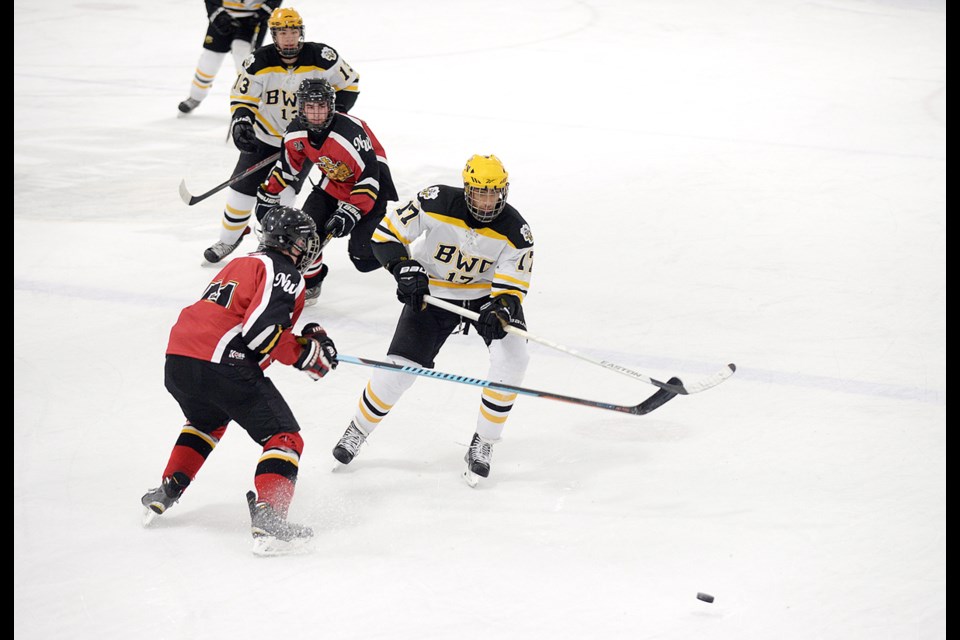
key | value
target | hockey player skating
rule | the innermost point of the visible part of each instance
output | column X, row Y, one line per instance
column 351, row 197
column 237, row 28
column 216, row 356
column 475, row 250
column 263, row 102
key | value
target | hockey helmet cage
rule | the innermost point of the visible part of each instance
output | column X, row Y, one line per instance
column 292, row 232
column 485, row 174
column 316, row 90
column 286, row 18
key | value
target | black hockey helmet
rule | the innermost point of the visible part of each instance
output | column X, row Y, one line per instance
column 316, row 90
column 292, row 232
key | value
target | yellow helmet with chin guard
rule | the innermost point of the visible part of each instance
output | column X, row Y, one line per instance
column 484, row 176
column 286, row 18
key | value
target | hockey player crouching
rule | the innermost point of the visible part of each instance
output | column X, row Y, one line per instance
column 351, row 197
column 475, row 251
column 216, row 355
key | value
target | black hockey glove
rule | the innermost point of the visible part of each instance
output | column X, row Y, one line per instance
column 498, row 314
column 244, row 137
column 224, row 23
column 267, row 8
column 263, row 13
column 319, row 354
column 343, row 220
column 412, row 283
column 265, row 202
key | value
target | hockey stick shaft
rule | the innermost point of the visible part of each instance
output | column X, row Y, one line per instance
column 658, row 399
column 191, row 199
column 700, row 385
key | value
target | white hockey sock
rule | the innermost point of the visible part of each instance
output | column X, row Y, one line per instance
column 236, row 215
column 206, row 71
column 382, row 391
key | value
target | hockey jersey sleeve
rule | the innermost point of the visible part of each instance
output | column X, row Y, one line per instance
column 245, row 98
column 293, row 159
column 512, row 272
column 341, row 75
column 402, row 225
column 366, row 190
column 267, row 324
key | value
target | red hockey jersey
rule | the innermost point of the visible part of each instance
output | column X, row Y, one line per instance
column 245, row 315
column 351, row 159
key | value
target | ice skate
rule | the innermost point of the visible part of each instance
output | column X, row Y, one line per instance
column 188, row 105
column 346, row 450
column 273, row 535
column 220, row 250
column 313, row 293
column 477, row 458
column 157, row 501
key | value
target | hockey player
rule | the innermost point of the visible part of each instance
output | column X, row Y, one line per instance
column 476, row 251
column 352, row 196
column 263, row 102
column 236, row 27
column 216, row 355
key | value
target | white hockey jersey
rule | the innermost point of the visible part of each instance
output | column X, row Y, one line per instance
column 464, row 259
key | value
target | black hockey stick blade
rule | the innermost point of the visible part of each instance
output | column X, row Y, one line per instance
column 658, row 399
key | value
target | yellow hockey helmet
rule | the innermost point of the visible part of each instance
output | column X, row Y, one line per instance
column 286, row 18
column 483, row 176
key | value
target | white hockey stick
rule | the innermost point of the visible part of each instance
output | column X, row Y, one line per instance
column 683, row 389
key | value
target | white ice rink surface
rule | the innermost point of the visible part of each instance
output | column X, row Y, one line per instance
column 758, row 182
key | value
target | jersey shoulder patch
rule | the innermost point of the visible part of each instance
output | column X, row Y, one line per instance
column 430, row 193
column 262, row 58
column 511, row 224
column 317, row 55
column 439, row 198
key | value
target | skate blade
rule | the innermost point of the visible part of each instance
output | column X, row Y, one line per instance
column 471, row 478
column 267, row 546
column 149, row 515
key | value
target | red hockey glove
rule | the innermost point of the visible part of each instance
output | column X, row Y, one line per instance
column 319, row 354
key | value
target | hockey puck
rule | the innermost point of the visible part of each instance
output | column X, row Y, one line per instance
column 706, row 597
